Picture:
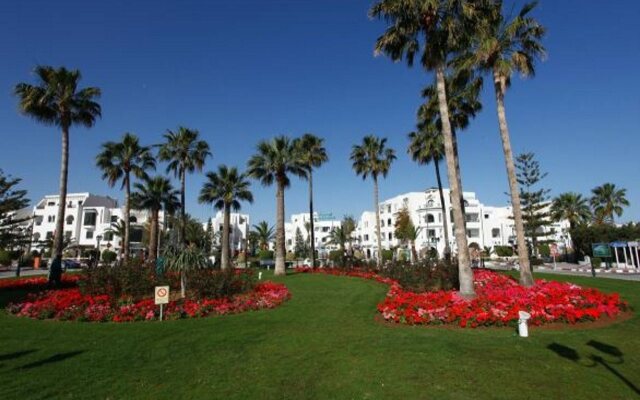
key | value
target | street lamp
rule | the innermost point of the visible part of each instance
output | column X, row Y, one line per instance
column 98, row 239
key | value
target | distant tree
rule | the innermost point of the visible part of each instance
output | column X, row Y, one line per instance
column 338, row 237
column 185, row 153
column 349, row 225
column 225, row 189
column 312, row 155
column 373, row 158
column 301, row 249
column 12, row 200
column 406, row 231
column 608, row 201
column 57, row 100
column 274, row 161
column 119, row 161
column 208, row 237
column 572, row 207
column 534, row 200
column 264, row 234
column 152, row 194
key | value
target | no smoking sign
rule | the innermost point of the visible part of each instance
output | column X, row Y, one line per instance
column 162, row 294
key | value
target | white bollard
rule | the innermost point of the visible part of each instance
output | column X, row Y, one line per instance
column 523, row 328
column 260, row 275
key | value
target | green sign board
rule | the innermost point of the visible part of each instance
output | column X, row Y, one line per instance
column 325, row 217
column 601, row 250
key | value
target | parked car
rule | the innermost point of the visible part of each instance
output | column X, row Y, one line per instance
column 70, row 264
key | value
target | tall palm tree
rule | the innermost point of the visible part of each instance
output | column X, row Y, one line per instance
column 57, row 100
column 373, row 158
column 120, row 160
column 438, row 29
column 312, row 155
column 264, row 234
column 427, row 144
column 185, row 154
column 225, row 189
column 154, row 194
column 273, row 162
column 607, row 201
column 502, row 47
column 572, row 207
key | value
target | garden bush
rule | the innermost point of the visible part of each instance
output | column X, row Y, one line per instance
column 424, row 276
column 387, row 255
column 596, row 262
column 109, row 256
column 534, row 261
column 265, row 255
column 503, row 251
column 213, row 283
column 128, row 279
column 5, row 258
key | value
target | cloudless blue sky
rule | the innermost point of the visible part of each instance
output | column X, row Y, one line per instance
column 242, row 71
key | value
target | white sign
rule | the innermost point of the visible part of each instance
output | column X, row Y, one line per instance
column 162, row 294
column 633, row 244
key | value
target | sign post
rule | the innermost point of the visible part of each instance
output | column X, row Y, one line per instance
column 554, row 253
column 162, row 297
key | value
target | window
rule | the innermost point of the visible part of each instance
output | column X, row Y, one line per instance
column 114, row 219
column 108, row 236
column 36, row 237
column 473, row 233
column 325, row 229
column 366, row 238
column 133, row 219
column 90, row 218
column 495, row 233
column 431, row 233
column 389, row 208
column 471, row 217
column 430, row 218
column 51, row 218
column 69, row 220
column 389, row 222
column 51, row 203
column 67, row 235
column 49, row 235
column 382, row 223
column 38, row 221
column 486, row 216
column 136, row 235
column 390, row 235
column 89, row 235
column 430, row 203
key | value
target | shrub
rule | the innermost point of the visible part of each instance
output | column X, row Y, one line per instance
column 335, row 256
column 212, row 283
column 544, row 250
column 128, row 279
column 387, row 255
column 290, row 256
column 5, row 258
column 596, row 262
column 536, row 261
column 265, row 255
column 109, row 256
column 425, row 276
column 503, row 251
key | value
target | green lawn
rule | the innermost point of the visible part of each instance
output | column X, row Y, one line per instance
column 323, row 343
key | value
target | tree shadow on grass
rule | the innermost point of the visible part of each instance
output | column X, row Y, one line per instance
column 53, row 359
column 15, row 354
column 595, row 360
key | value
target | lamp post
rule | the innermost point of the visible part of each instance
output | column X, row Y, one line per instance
column 98, row 239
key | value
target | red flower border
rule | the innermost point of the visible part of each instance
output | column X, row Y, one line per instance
column 498, row 300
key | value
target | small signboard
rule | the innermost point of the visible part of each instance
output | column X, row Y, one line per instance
column 601, row 250
column 162, row 294
column 553, row 248
column 633, row 244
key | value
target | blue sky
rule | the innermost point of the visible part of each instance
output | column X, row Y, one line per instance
column 243, row 71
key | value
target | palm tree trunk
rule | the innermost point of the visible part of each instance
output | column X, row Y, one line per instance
column 280, row 246
column 377, row 208
column 127, row 215
column 183, row 212
column 56, row 252
column 526, row 276
column 153, row 236
column 183, row 283
column 225, row 237
column 445, row 225
column 311, row 222
column 414, row 253
column 464, row 265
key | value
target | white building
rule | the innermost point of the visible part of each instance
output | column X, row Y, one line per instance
column 323, row 224
column 240, row 227
column 88, row 222
column 487, row 226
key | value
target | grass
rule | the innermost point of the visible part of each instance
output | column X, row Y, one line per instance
column 322, row 344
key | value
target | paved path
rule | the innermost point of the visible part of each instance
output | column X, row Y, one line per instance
column 23, row 272
column 577, row 270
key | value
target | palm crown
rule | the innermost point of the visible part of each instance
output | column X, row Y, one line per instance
column 572, row 207
column 226, row 187
column 118, row 159
column 372, row 157
column 183, row 151
column 274, row 160
column 311, row 151
column 264, row 233
column 154, row 194
column 56, row 99
column 608, row 200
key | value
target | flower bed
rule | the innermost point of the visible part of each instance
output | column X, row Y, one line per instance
column 72, row 305
column 498, row 301
column 37, row 283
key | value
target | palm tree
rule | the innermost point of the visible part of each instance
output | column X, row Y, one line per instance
column 225, row 189
column 264, row 234
column 153, row 194
column 607, row 201
column 338, row 236
column 373, row 158
column 312, row 155
column 438, row 29
column 56, row 100
column 117, row 229
column 504, row 46
column 273, row 162
column 185, row 153
column 572, row 207
column 120, row 160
